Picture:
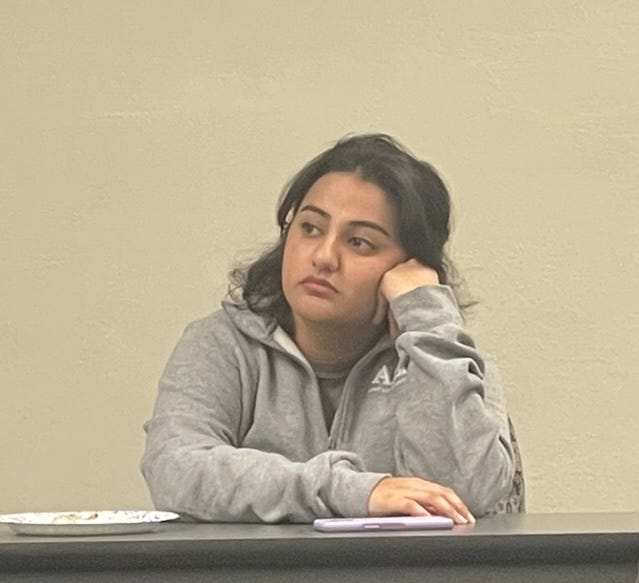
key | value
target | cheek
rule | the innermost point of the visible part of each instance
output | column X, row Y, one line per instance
column 367, row 278
column 366, row 282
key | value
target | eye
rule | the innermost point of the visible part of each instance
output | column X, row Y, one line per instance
column 362, row 245
column 308, row 228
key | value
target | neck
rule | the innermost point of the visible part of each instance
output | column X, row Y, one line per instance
column 328, row 343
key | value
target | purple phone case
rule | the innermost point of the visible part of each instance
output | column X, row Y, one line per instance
column 382, row 523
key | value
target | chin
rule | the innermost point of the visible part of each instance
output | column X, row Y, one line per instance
column 339, row 320
column 318, row 316
column 319, row 311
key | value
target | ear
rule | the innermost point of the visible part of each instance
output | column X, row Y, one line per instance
column 287, row 223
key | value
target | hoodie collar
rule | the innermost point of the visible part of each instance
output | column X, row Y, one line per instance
column 267, row 330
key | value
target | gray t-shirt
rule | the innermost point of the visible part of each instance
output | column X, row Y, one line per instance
column 331, row 378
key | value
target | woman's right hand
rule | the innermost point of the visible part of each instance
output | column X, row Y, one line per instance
column 416, row 497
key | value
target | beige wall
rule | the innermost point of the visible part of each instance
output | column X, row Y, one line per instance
column 144, row 145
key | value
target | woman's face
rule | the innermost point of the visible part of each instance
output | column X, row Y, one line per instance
column 340, row 242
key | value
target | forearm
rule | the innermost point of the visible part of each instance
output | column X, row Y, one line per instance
column 452, row 420
column 459, row 445
column 218, row 482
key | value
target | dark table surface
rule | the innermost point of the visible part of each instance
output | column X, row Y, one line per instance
column 534, row 542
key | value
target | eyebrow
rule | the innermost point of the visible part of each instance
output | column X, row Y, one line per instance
column 369, row 224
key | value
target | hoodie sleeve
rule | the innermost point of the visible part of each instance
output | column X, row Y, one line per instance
column 451, row 417
column 193, row 463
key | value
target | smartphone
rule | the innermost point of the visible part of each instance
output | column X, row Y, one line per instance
column 371, row 523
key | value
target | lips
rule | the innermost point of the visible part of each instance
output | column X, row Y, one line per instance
column 317, row 285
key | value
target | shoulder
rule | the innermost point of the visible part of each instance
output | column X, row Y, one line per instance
column 210, row 346
column 226, row 330
column 209, row 330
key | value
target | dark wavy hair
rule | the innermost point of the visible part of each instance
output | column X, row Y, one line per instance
column 411, row 185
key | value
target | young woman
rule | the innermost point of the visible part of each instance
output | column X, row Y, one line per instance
column 337, row 379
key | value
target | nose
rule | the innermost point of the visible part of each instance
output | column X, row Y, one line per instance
column 326, row 255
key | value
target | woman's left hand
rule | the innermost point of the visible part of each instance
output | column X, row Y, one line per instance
column 405, row 277
column 398, row 280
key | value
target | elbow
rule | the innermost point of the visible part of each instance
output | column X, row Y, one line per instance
column 161, row 490
column 487, row 490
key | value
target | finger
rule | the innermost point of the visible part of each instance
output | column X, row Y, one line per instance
column 457, row 503
column 412, row 508
column 440, row 500
column 446, row 503
column 443, row 508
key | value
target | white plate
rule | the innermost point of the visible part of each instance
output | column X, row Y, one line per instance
column 86, row 522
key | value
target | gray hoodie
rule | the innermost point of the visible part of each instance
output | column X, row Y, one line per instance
column 238, row 431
